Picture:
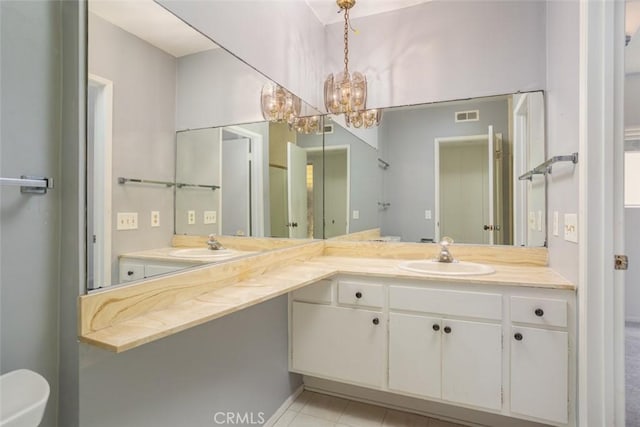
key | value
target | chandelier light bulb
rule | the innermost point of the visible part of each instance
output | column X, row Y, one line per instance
column 278, row 104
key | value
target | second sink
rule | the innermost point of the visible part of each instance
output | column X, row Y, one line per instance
column 456, row 268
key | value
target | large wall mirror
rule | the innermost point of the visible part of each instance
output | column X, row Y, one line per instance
column 443, row 169
column 177, row 147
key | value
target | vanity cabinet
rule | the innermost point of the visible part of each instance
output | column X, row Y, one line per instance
column 539, row 358
column 134, row 269
column 504, row 349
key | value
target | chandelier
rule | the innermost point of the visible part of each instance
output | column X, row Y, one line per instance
column 278, row 104
column 346, row 92
column 306, row 125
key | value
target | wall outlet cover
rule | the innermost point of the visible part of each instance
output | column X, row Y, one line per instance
column 540, row 220
column 127, row 221
column 191, row 217
column 571, row 228
column 427, row 214
column 210, row 217
column 155, row 218
column 556, row 220
column 356, row 214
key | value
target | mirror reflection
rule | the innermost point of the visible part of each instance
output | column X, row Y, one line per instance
column 450, row 169
column 161, row 161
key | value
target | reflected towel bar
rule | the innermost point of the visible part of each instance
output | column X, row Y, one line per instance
column 383, row 164
column 30, row 184
column 545, row 168
column 122, row 180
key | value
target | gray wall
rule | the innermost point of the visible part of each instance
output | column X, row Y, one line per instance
column 562, row 127
column 237, row 363
column 30, row 135
column 144, row 102
column 365, row 184
column 444, row 50
column 632, row 276
column 632, row 100
column 406, row 141
column 214, row 88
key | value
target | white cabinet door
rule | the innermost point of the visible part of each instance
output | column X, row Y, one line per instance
column 539, row 373
column 414, row 354
column 345, row 344
column 472, row 363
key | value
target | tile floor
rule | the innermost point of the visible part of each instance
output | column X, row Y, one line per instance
column 320, row 410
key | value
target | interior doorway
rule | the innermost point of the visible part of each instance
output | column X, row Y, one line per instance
column 99, row 174
column 468, row 188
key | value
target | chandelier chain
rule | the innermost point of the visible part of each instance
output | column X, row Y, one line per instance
column 346, row 42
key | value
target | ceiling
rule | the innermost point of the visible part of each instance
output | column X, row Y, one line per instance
column 154, row 24
column 327, row 10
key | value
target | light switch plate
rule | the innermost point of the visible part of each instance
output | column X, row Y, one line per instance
column 127, row 221
column 356, row 214
column 532, row 220
column 210, row 217
column 191, row 217
column 155, row 218
column 427, row 214
column 571, row 228
column 540, row 221
column 556, row 227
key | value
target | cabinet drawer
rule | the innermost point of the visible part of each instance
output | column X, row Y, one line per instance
column 155, row 269
column 320, row 292
column 361, row 294
column 539, row 311
column 131, row 271
column 440, row 301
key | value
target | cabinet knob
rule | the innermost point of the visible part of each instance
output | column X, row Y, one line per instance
column 436, row 327
column 539, row 312
column 518, row 336
column 447, row 330
column 376, row 320
column 358, row 294
column 130, row 273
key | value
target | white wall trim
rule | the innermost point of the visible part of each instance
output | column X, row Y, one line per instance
column 257, row 171
column 283, row 408
column 102, row 185
column 600, row 362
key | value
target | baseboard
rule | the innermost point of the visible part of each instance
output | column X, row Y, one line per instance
column 283, row 408
column 455, row 414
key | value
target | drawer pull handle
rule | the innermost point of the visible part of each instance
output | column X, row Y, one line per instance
column 518, row 336
column 358, row 294
column 447, row 330
column 130, row 273
column 436, row 327
column 376, row 320
column 539, row 312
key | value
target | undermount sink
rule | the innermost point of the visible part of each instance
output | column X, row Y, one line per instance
column 456, row 268
column 203, row 253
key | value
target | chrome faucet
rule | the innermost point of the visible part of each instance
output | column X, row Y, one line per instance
column 213, row 244
column 444, row 255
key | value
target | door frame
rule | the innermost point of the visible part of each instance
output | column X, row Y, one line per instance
column 257, row 178
column 102, row 188
column 601, row 391
column 436, row 171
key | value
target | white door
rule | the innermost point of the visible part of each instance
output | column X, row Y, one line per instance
column 539, row 372
column 414, row 354
column 472, row 363
column 345, row 344
column 297, row 191
column 236, row 187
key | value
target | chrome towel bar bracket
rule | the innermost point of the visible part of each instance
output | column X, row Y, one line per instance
column 30, row 184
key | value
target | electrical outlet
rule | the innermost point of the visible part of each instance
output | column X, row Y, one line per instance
column 356, row 214
column 155, row 218
column 556, row 220
column 127, row 221
column 191, row 217
column 571, row 228
column 427, row 214
column 210, row 217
